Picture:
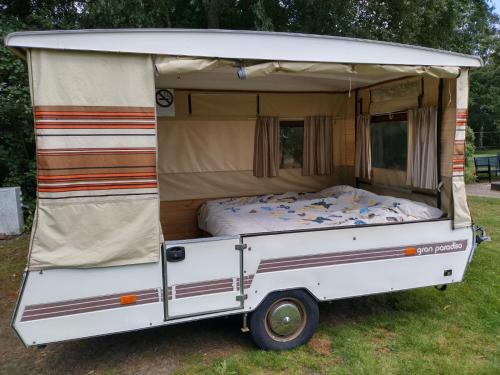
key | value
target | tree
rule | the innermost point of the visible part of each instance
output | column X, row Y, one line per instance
column 467, row 26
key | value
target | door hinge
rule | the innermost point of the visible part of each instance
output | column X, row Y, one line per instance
column 241, row 297
column 240, row 246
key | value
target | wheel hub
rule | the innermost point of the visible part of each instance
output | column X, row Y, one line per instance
column 285, row 318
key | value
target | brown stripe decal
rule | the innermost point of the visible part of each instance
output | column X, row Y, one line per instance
column 328, row 259
column 201, row 288
column 247, row 281
column 84, row 305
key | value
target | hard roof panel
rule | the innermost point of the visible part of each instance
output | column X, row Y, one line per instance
column 244, row 45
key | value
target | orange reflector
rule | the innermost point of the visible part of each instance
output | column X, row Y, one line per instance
column 410, row 251
column 125, row 300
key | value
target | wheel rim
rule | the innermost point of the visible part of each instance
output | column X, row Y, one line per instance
column 285, row 319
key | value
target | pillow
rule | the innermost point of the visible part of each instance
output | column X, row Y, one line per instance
column 336, row 190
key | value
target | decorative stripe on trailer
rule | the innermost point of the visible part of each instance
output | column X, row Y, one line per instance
column 345, row 257
column 91, row 304
column 309, row 261
column 201, row 288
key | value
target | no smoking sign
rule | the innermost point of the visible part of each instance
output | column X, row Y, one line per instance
column 165, row 105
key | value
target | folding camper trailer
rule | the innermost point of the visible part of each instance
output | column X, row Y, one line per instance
column 188, row 174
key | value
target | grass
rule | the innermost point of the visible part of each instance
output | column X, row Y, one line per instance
column 421, row 331
column 416, row 332
column 487, row 152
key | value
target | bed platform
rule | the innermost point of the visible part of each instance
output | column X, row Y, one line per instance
column 332, row 207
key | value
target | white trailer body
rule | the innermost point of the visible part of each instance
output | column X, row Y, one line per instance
column 329, row 264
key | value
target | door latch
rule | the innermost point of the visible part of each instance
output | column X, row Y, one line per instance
column 241, row 297
column 175, row 254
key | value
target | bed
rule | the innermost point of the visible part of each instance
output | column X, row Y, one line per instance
column 336, row 206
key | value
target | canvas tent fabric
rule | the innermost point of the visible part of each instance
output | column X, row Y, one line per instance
column 208, row 152
column 96, row 156
column 176, row 66
column 461, row 211
column 263, row 69
column 396, row 96
column 89, row 119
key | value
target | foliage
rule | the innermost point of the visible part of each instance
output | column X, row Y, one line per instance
column 470, row 170
column 467, row 26
column 485, row 105
column 469, row 145
column 17, row 156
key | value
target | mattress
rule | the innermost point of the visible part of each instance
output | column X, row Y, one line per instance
column 336, row 206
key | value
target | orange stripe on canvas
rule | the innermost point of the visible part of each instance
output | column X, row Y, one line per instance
column 97, row 175
column 97, row 126
column 95, row 187
column 94, row 114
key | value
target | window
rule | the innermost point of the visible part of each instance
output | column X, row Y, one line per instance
column 389, row 141
column 291, row 143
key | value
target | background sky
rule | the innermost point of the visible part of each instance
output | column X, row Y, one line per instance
column 496, row 4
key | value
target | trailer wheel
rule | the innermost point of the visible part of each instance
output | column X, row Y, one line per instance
column 284, row 320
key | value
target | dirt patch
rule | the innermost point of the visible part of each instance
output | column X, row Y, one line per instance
column 382, row 340
column 321, row 345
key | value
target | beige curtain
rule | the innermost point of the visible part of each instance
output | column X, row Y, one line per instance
column 318, row 146
column 266, row 154
column 422, row 161
column 363, row 162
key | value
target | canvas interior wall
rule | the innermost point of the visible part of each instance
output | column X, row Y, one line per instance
column 393, row 182
column 206, row 149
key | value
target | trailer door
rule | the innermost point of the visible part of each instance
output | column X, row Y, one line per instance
column 202, row 276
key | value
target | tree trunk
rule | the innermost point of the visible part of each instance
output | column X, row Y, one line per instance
column 481, row 133
column 212, row 13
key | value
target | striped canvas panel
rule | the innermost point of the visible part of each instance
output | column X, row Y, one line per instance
column 459, row 145
column 95, row 151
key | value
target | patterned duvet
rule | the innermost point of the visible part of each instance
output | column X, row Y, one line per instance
column 336, row 206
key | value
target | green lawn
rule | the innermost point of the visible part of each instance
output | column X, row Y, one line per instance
column 416, row 332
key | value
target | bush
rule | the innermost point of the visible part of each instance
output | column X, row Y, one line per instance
column 17, row 142
column 470, row 171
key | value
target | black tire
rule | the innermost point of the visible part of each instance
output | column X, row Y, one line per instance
column 268, row 330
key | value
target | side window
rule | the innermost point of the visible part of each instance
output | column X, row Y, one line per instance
column 291, row 143
column 389, row 141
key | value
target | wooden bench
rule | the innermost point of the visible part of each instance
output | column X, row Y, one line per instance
column 487, row 165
